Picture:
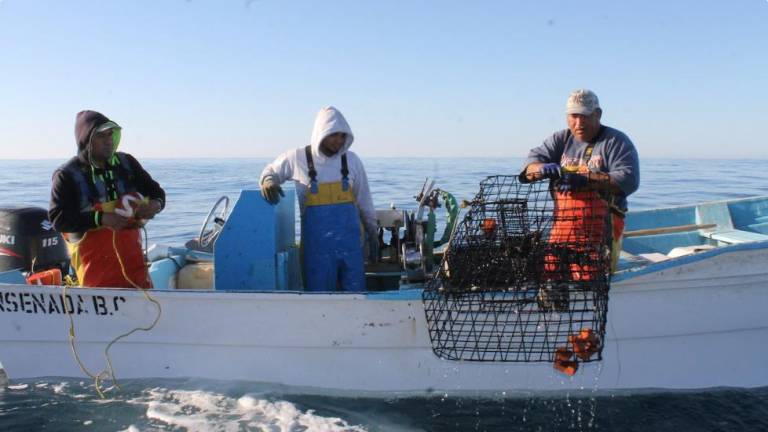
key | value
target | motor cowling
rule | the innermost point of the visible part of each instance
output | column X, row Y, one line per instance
column 29, row 242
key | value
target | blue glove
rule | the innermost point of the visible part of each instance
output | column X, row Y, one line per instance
column 550, row 170
column 570, row 182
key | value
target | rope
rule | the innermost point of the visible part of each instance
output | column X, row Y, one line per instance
column 95, row 377
column 110, row 371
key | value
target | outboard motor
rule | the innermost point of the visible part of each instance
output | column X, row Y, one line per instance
column 29, row 242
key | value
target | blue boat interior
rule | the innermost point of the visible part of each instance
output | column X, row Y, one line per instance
column 674, row 231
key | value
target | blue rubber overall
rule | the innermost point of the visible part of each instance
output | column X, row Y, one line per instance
column 332, row 235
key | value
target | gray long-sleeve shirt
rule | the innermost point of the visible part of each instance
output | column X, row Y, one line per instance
column 613, row 154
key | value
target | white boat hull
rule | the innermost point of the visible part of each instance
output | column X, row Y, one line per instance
column 698, row 324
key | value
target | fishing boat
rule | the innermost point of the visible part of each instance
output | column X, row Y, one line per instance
column 684, row 310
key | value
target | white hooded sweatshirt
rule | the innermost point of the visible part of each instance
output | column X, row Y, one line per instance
column 292, row 165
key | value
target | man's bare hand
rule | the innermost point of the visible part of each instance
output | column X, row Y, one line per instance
column 147, row 210
column 114, row 221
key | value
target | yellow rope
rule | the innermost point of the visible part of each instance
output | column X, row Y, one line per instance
column 96, row 377
column 110, row 371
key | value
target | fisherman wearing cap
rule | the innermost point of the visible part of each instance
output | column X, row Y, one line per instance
column 99, row 200
column 593, row 168
column 612, row 162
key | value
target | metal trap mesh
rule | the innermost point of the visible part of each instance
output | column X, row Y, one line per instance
column 525, row 273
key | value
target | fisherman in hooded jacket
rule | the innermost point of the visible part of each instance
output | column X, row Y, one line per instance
column 334, row 198
column 99, row 200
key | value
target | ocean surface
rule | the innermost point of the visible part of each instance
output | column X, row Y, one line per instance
column 193, row 185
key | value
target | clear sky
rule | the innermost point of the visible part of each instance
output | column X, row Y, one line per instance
column 238, row 78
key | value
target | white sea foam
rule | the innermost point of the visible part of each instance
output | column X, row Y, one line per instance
column 18, row 386
column 60, row 387
column 207, row 411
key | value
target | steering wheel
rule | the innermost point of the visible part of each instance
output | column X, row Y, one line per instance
column 216, row 220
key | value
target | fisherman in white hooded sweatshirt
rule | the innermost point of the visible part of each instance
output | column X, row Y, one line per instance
column 334, row 199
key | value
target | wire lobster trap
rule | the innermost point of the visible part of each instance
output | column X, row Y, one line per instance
column 525, row 277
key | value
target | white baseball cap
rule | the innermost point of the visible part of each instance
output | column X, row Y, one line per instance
column 582, row 101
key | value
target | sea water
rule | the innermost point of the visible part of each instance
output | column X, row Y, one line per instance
column 192, row 186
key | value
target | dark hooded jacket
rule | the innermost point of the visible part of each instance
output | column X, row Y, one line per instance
column 65, row 207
